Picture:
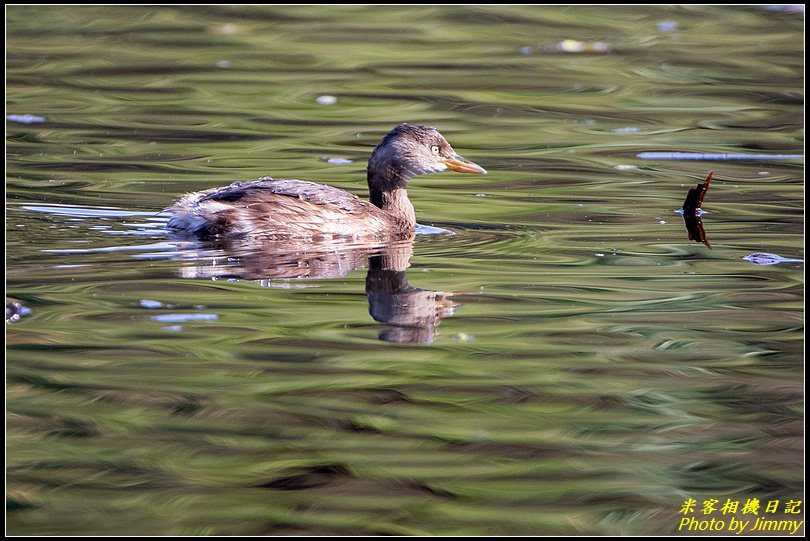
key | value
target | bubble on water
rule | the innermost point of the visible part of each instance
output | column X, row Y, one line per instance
column 667, row 26
column 326, row 100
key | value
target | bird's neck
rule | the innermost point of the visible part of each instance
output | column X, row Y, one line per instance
column 396, row 203
column 386, row 187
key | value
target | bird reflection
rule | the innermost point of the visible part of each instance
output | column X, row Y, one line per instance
column 692, row 212
column 411, row 313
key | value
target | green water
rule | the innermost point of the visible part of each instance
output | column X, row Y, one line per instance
column 561, row 360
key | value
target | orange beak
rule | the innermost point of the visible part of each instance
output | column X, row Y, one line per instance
column 462, row 165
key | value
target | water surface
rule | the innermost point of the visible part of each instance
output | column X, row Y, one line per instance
column 556, row 357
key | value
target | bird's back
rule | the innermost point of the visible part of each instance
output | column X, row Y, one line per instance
column 277, row 209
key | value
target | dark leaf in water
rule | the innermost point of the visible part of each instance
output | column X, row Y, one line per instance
column 692, row 212
column 694, row 198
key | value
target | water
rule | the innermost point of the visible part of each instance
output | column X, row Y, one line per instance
column 554, row 356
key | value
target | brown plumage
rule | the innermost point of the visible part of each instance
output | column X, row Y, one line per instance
column 284, row 208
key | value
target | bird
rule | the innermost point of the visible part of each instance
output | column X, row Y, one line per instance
column 277, row 209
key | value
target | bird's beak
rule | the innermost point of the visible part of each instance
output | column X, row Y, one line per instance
column 462, row 165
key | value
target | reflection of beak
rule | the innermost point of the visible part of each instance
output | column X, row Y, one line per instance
column 462, row 165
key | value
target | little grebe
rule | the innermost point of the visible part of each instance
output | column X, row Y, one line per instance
column 283, row 208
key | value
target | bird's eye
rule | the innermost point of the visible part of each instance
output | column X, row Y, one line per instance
column 435, row 149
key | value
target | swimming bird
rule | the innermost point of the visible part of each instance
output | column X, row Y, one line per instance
column 270, row 208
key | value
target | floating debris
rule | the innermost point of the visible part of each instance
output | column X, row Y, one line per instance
column 697, row 156
column 326, row 100
column 15, row 311
column 25, row 119
column 764, row 258
column 694, row 197
column 692, row 212
column 576, row 46
column 146, row 303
